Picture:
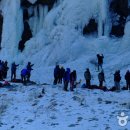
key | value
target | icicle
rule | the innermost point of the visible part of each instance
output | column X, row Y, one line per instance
column 103, row 23
column 35, row 27
column 41, row 17
column 45, row 11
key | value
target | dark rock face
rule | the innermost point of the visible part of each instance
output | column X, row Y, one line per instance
column 50, row 3
column 25, row 15
column 1, row 27
column 91, row 27
column 27, row 34
column 120, row 7
column 27, row 4
column 119, row 10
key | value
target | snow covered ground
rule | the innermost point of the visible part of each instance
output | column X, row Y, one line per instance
column 21, row 109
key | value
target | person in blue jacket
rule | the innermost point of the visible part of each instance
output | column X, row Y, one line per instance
column 66, row 79
column 13, row 71
column 24, row 74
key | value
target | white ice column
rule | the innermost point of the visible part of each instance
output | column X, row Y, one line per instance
column 12, row 28
column 35, row 21
column 103, row 19
column 43, row 10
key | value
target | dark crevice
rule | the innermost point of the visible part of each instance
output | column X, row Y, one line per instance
column 120, row 7
column 1, row 27
column 119, row 10
column 91, row 27
column 27, row 34
column 49, row 3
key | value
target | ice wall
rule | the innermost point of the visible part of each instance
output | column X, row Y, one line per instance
column 12, row 28
column 55, row 32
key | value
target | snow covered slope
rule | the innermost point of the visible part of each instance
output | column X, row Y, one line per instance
column 21, row 109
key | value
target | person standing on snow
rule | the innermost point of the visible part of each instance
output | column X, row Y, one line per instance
column 24, row 74
column 87, row 76
column 101, row 78
column 29, row 69
column 66, row 79
column 56, row 74
column 1, row 70
column 100, row 61
column 5, row 69
column 127, row 78
column 117, row 79
column 61, row 74
column 73, row 77
column 13, row 71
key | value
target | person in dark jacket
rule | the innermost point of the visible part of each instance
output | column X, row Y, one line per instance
column 73, row 78
column 127, row 78
column 13, row 71
column 101, row 78
column 29, row 68
column 100, row 61
column 66, row 79
column 24, row 74
column 1, row 70
column 61, row 75
column 5, row 69
column 117, row 79
column 87, row 76
column 56, row 74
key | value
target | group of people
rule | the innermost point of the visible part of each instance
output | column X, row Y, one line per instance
column 60, row 74
column 101, row 76
column 65, row 76
column 25, row 73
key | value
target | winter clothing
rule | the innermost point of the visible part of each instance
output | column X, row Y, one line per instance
column 100, row 61
column 73, row 77
column 61, row 75
column 87, row 76
column 24, row 74
column 5, row 69
column 13, row 71
column 66, row 79
column 1, row 70
column 117, row 79
column 127, row 78
column 29, row 68
column 101, row 78
column 56, row 74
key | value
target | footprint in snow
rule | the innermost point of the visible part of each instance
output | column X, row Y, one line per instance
column 73, row 125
